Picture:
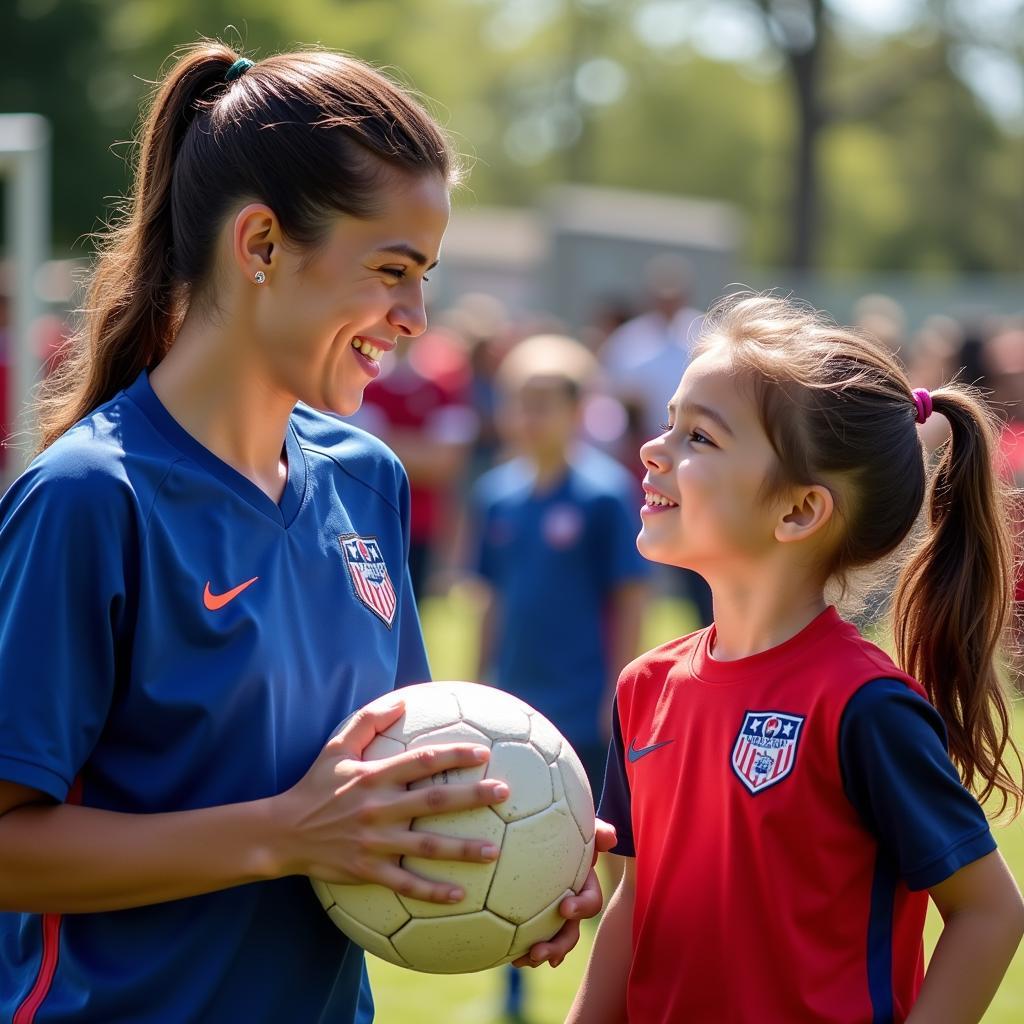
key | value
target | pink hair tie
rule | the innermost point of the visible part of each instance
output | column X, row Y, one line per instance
column 923, row 401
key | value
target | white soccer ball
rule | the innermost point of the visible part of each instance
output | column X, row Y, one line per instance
column 545, row 831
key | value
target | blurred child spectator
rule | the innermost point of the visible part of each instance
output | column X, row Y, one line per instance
column 556, row 547
column 421, row 407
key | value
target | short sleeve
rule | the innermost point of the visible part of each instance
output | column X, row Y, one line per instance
column 616, row 802
column 898, row 775
column 65, row 593
column 615, row 535
column 481, row 551
column 365, row 1008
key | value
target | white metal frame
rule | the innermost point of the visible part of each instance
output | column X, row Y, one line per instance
column 25, row 162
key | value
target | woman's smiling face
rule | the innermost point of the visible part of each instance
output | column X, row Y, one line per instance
column 332, row 313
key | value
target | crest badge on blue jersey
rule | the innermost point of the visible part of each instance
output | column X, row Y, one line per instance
column 765, row 749
column 370, row 577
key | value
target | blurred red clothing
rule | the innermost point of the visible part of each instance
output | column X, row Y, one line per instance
column 1011, row 448
column 426, row 395
column 5, row 426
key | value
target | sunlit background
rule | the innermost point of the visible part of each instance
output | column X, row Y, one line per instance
column 867, row 155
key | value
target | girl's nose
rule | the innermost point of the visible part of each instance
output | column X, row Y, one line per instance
column 654, row 456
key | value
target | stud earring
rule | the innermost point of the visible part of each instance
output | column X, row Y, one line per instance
column 260, row 277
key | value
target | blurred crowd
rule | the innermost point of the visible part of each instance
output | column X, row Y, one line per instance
column 438, row 403
column 440, row 406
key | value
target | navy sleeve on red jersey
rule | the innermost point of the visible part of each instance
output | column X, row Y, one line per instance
column 898, row 775
column 616, row 802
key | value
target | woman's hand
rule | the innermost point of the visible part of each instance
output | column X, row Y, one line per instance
column 586, row 903
column 347, row 820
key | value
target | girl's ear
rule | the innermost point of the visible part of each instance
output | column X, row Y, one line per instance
column 809, row 510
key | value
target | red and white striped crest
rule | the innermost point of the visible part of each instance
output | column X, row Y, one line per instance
column 370, row 577
column 765, row 749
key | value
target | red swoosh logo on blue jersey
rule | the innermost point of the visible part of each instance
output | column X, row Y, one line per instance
column 214, row 602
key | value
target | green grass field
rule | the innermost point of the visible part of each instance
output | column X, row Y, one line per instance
column 404, row 997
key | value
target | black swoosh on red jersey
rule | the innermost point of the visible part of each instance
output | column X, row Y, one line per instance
column 634, row 755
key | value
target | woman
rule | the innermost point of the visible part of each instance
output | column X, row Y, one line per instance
column 202, row 575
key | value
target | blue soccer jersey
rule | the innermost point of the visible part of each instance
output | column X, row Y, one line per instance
column 173, row 639
column 554, row 557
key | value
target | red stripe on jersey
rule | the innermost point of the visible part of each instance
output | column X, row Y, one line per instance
column 26, row 1012
column 373, row 593
column 381, row 598
column 363, row 591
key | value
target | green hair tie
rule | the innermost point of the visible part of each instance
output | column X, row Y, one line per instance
column 237, row 69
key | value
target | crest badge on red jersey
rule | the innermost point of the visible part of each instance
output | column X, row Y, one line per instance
column 369, row 573
column 765, row 749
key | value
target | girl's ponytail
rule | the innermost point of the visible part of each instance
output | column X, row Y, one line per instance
column 132, row 307
column 954, row 598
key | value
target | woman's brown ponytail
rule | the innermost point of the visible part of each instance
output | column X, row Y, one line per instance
column 132, row 306
column 312, row 134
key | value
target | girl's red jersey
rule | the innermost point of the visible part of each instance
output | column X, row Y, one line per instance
column 779, row 871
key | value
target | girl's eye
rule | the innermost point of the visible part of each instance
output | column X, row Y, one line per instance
column 697, row 436
column 664, row 427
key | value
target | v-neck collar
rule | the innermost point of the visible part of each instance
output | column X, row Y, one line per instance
column 142, row 394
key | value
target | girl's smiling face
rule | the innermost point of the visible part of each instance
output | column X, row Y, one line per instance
column 705, row 483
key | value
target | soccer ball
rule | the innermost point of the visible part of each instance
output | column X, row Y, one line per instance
column 545, row 831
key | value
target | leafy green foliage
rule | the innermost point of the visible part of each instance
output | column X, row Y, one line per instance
column 916, row 173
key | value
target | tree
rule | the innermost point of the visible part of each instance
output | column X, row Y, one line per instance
column 806, row 34
column 847, row 146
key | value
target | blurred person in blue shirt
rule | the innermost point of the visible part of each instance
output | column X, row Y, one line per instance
column 555, row 531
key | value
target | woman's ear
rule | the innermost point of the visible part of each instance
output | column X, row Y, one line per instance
column 255, row 239
column 810, row 509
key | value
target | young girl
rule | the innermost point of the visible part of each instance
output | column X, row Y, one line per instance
column 202, row 576
column 781, row 788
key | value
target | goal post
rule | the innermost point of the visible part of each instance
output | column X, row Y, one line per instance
column 25, row 166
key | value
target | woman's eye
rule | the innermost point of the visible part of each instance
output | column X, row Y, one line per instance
column 398, row 273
